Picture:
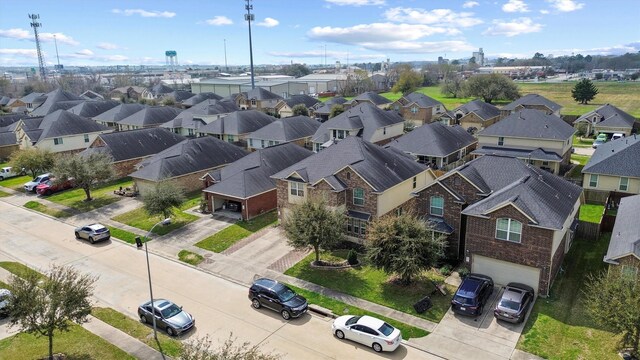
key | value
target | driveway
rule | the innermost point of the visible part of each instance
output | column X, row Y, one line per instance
column 584, row 151
column 462, row 337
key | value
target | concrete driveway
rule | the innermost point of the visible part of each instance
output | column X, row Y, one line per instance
column 462, row 337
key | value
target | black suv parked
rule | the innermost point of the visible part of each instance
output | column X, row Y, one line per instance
column 278, row 297
column 472, row 295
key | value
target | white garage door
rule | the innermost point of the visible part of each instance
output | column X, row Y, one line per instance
column 503, row 272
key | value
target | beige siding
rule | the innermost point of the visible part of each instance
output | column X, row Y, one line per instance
column 611, row 183
column 401, row 193
column 558, row 235
column 558, row 146
column 391, row 132
column 69, row 143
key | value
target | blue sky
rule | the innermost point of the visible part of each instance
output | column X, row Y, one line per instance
column 91, row 32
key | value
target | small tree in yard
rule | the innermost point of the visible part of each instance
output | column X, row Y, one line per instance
column 42, row 306
column 408, row 81
column 403, row 245
column 612, row 299
column 312, row 224
column 300, row 109
column 201, row 349
column 491, row 87
column 162, row 199
column 584, row 91
column 87, row 171
column 33, row 160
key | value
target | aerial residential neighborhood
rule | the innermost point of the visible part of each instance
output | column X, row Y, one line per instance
column 374, row 179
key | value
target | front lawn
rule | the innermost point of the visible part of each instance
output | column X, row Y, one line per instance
column 191, row 200
column 39, row 207
column 136, row 329
column 339, row 308
column 16, row 183
column 559, row 327
column 190, row 257
column 141, row 219
column 18, row 269
column 579, row 141
column 4, row 194
column 101, row 196
column 77, row 344
column 230, row 235
column 368, row 283
column 580, row 159
column 591, row 213
column 123, row 235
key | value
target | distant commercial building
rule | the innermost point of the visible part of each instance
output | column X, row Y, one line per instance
column 479, row 56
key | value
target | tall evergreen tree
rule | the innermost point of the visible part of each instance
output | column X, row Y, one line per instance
column 584, row 91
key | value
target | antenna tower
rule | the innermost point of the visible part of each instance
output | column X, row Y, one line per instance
column 35, row 25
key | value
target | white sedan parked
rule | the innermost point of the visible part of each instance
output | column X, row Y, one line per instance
column 367, row 330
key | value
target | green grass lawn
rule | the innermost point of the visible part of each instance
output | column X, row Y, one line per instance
column 580, row 159
column 19, row 269
column 4, row 194
column 136, row 329
column 576, row 172
column 230, row 235
column 582, row 142
column 39, row 207
column 16, row 183
column 142, row 220
column 191, row 200
column 591, row 213
column 559, row 327
column 77, row 344
column 340, row 308
column 101, row 196
column 368, row 283
column 434, row 92
column 122, row 235
column 190, row 257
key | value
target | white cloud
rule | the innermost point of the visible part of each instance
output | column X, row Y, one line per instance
column 115, row 58
column 515, row 6
column 356, row 2
column 470, row 4
column 442, row 17
column 29, row 53
column 566, row 5
column 544, row 12
column 317, row 54
column 374, row 33
column 144, row 13
column 513, row 28
column 107, row 46
column 269, row 22
column 633, row 47
column 219, row 21
column 60, row 37
column 84, row 52
column 21, row 34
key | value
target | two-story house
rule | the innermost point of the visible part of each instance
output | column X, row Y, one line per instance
column 370, row 181
column 504, row 218
column 284, row 107
column 190, row 121
column 31, row 101
column 436, row 145
column 370, row 97
column 236, row 127
column 541, row 139
column 151, row 116
column 130, row 92
column 614, row 167
column 531, row 101
column 364, row 120
column 624, row 246
column 260, row 99
column 606, row 119
column 296, row 129
column 476, row 115
column 419, row 108
column 112, row 116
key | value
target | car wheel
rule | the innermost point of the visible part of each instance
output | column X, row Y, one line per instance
column 170, row 331
column 143, row 319
column 256, row 303
column 376, row 347
column 77, row 235
column 339, row 334
column 47, row 193
column 286, row 314
column 92, row 240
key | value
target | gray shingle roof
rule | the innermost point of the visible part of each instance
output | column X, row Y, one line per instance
column 482, row 109
column 370, row 96
column 119, row 112
column 90, row 109
column 421, row 100
column 305, row 100
column 434, row 139
column 134, row 144
column 64, row 123
column 259, row 93
column 380, row 167
column 287, row 129
column 200, row 98
column 150, row 116
column 532, row 124
column 188, row 156
column 609, row 115
column 192, row 118
column 238, row 123
column 160, row 89
column 546, row 198
column 8, row 138
column 53, row 98
column 180, row 95
column 214, row 107
column 6, row 120
column 625, row 237
column 532, row 99
column 250, row 175
column 33, row 97
column 619, row 157
column 365, row 116
column 533, row 154
column 4, row 100
column 335, row 100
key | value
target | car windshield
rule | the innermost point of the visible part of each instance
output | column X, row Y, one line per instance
column 463, row 300
column 37, row 179
column 286, row 294
column 386, row 329
column 352, row 320
column 509, row 304
column 170, row 311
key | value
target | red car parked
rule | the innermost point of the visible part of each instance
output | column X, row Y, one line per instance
column 51, row 186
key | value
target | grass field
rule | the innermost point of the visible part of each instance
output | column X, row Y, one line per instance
column 101, row 196
column 16, row 183
column 142, row 220
column 190, row 257
column 559, row 327
column 230, row 235
column 580, row 159
column 123, row 235
column 4, row 194
column 591, row 213
column 39, row 207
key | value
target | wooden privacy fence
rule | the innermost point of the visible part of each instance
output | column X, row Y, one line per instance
column 588, row 230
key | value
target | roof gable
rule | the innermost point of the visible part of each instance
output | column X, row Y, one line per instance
column 533, row 124
column 618, row 157
column 434, row 139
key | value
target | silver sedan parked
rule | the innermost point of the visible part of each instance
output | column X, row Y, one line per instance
column 93, row 233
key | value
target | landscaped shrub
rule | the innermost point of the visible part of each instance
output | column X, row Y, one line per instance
column 445, row 270
column 463, row 271
column 352, row 257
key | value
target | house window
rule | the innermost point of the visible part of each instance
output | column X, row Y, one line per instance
column 545, row 163
column 230, row 138
column 261, row 143
column 86, row 138
column 396, row 108
column 436, row 206
column 253, row 102
column 57, row 141
column 414, row 109
column 624, row 184
column 358, row 196
column 500, row 141
column 348, row 176
column 593, row 180
column 297, row 188
column 339, row 134
column 190, row 132
column 356, row 226
column 251, row 142
column 508, row 230
column 415, row 181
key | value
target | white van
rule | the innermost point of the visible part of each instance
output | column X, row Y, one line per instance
column 617, row 136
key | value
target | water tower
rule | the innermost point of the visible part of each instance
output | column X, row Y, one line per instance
column 172, row 59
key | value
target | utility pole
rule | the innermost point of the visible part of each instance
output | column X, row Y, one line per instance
column 55, row 41
column 35, row 25
column 250, row 17
column 226, row 67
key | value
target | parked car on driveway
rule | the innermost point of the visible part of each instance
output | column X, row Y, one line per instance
column 52, row 186
column 597, row 143
column 278, row 297
column 8, row 172
column 514, row 303
column 93, row 233
column 367, row 330
column 169, row 316
column 472, row 295
column 31, row 185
